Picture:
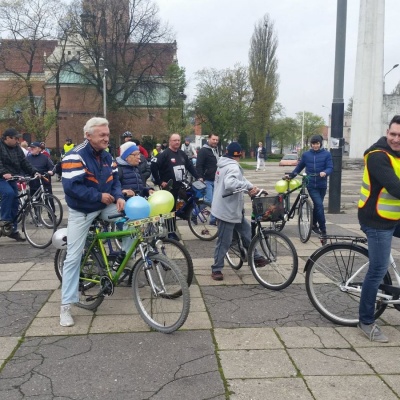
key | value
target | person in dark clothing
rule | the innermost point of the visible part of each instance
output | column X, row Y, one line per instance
column 12, row 162
column 379, row 216
column 43, row 164
column 206, row 167
column 172, row 164
column 131, row 179
column 319, row 165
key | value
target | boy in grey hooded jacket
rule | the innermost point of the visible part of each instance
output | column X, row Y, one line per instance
column 229, row 211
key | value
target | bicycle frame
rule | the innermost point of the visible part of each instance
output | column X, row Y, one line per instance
column 291, row 211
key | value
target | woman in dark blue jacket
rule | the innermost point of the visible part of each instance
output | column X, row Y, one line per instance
column 318, row 164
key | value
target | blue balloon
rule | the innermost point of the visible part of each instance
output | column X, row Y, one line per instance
column 137, row 208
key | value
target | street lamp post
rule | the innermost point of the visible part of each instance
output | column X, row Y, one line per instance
column 329, row 132
column 105, row 93
column 183, row 98
column 302, row 133
column 384, row 76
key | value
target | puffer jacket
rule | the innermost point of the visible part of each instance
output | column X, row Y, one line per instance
column 315, row 162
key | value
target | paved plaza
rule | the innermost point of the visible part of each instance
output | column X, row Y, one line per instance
column 241, row 341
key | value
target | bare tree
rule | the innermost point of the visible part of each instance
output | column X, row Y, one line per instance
column 263, row 75
column 127, row 38
column 31, row 30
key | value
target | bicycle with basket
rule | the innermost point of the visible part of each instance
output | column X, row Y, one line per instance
column 160, row 291
column 281, row 265
column 302, row 205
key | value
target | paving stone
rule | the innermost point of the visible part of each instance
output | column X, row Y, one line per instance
column 261, row 389
column 247, row 338
column 51, row 326
column 118, row 323
column 242, row 364
column 358, row 339
column 393, row 381
column 120, row 366
column 7, row 346
column 197, row 320
column 36, row 285
column 384, row 360
column 329, row 362
column 302, row 337
column 18, row 309
column 348, row 387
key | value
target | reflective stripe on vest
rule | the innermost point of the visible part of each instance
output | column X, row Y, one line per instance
column 387, row 206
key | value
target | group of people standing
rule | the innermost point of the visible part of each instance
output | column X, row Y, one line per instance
column 94, row 183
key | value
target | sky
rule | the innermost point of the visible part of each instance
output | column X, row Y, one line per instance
column 217, row 33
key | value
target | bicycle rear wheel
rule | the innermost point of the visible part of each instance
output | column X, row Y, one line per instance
column 90, row 287
column 59, row 259
column 236, row 253
column 329, row 270
column 38, row 225
column 305, row 221
column 154, row 283
column 55, row 204
column 199, row 222
column 281, row 256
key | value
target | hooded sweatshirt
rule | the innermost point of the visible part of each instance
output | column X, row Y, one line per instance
column 381, row 175
column 229, row 177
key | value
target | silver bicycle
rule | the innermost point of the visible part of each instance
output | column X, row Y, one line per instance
column 334, row 277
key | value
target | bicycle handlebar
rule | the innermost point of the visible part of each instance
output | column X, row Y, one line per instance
column 260, row 192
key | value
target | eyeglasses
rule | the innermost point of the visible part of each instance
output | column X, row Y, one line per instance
column 135, row 154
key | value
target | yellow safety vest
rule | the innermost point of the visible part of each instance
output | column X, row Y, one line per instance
column 68, row 147
column 387, row 206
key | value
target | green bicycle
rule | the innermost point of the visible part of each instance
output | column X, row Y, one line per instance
column 160, row 291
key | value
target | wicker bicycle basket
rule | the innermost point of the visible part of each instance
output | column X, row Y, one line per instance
column 269, row 208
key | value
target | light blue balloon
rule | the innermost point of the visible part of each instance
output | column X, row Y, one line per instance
column 137, row 208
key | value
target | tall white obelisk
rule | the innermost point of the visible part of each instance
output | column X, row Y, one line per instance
column 366, row 124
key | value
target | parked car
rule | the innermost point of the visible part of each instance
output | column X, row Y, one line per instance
column 289, row 160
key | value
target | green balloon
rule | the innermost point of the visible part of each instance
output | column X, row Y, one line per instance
column 161, row 202
column 281, row 186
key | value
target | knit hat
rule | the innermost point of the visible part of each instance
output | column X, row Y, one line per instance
column 126, row 149
column 316, row 139
column 234, row 149
column 11, row 132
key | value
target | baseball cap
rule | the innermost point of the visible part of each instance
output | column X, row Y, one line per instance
column 11, row 132
column 35, row 144
column 234, row 149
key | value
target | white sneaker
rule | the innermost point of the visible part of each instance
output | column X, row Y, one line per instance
column 65, row 315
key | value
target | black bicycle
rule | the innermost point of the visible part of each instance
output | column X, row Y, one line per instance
column 302, row 205
column 279, row 256
column 37, row 219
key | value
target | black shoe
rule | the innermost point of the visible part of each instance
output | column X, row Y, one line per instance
column 316, row 230
column 323, row 238
column 217, row 276
column 261, row 262
column 17, row 236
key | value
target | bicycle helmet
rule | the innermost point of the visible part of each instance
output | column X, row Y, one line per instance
column 59, row 239
column 127, row 134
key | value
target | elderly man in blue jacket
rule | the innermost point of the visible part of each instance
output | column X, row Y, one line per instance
column 318, row 164
column 92, row 188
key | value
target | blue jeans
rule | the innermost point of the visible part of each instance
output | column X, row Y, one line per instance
column 77, row 230
column 209, row 196
column 9, row 201
column 317, row 196
column 379, row 247
column 224, row 240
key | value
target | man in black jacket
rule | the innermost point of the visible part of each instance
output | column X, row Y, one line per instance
column 206, row 167
column 12, row 162
column 172, row 163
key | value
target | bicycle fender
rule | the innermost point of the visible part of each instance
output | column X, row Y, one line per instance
column 337, row 245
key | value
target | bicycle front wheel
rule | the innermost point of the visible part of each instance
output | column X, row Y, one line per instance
column 59, row 259
column 334, row 280
column 280, row 257
column 305, row 221
column 154, row 283
column 236, row 253
column 178, row 253
column 38, row 225
column 55, row 204
column 199, row 222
